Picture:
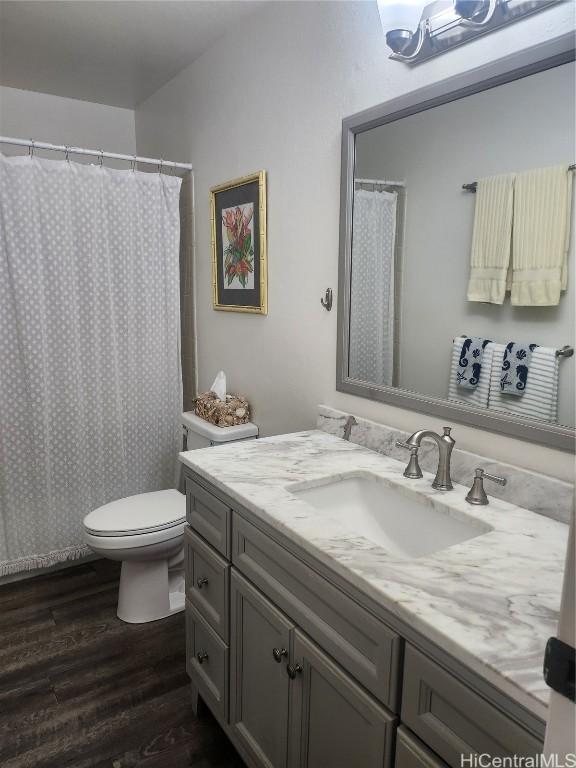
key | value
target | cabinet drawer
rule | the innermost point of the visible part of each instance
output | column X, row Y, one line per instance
column 207, row 662
column 411, row 753
column 207, row 582
column 360, row 642
column 208, row 516
column 454, row 720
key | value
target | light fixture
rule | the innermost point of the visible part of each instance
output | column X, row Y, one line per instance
column 400, row 21
column 416, row 32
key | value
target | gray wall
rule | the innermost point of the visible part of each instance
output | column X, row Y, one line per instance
column 525, row 124
column 40, row 116
column 272, row 94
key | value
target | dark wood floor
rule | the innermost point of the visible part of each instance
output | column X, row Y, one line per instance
column 81, row 689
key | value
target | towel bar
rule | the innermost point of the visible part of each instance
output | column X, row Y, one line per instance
column 471, row 187
column 565, row 351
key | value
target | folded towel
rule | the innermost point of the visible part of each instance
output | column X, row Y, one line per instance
column 542, row 213
column 540, row 398
column 515, row 368
column 491, row 239
column 477, row 396
column 470, row 363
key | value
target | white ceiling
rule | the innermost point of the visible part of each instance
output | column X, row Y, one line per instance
column 110, row 52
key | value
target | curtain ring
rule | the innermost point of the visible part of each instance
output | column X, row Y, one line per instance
column 100, row 158
column 31, row 148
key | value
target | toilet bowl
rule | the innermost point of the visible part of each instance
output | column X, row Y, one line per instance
column 146, row 534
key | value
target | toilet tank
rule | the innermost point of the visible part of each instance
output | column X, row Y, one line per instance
column 201, row 434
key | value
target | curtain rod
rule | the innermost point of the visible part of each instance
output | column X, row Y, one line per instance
column 31, row 144
column 381, row 182
column 471, row 186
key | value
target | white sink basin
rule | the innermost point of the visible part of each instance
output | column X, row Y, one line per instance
column 404, row 524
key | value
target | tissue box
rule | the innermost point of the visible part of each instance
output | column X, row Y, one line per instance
column 224, row 414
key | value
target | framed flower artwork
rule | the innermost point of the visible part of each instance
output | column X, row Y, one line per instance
column 238, row 218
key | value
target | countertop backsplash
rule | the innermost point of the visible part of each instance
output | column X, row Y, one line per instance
column 539, row 493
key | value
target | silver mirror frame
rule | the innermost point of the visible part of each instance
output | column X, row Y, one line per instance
column 539, row 58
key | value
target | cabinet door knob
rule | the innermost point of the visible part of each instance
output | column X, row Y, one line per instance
column 293, row 670
column 201, row 582
column 278, row 653
column 202, row 656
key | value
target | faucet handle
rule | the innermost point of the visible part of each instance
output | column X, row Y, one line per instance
column 477, row 494
column 494, row 478
column 412, row 470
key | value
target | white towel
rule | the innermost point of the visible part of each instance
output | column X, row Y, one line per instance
column 542, row 213
column 491, row 239
column 540, row 398
column 477, row 397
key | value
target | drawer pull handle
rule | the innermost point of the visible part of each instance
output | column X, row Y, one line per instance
column 293, row 670
column 202, row 656
column 201, row 582
column 278, row 653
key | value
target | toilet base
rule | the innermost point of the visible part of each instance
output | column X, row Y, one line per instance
column 150, row 590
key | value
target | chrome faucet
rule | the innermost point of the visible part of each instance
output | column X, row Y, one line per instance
column 442, row 481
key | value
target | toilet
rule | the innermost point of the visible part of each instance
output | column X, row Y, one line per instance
column 146, row 534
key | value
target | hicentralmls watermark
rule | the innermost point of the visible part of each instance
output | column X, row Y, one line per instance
column 485, row 760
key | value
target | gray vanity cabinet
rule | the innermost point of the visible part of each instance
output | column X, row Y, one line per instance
column 333, row 721
column 301, row 674
column 259, row 685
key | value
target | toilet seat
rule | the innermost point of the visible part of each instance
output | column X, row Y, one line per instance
column 162, row 513
column 103, row 542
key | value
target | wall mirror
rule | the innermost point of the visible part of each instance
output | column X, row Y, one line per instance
column 418, row 274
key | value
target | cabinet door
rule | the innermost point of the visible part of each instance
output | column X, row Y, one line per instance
column 333, row 721
column 258, row 683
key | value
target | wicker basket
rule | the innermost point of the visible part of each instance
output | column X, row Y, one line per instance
column 229, row 414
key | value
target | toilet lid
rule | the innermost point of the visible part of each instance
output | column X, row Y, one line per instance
column 143, row 513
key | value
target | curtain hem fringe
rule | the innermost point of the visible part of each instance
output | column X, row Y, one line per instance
column 34, row 562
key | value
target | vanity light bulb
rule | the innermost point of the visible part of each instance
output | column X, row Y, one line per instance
column 400, row 19
column 468, row 9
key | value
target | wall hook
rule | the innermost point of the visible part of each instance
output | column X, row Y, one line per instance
column 327, row 300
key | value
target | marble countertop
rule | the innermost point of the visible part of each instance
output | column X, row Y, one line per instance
column 491, row 601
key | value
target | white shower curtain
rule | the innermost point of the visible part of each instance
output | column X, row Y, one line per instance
column 90, row 379
column 372, row 286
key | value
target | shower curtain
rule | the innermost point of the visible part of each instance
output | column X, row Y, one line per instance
column 90, row 377
column 372, row 286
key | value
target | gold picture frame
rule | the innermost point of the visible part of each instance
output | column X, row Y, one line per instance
column 238, row 239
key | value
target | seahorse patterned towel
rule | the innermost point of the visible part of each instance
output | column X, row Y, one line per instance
column 540, row 398
column 470, row 363
column 515, row 367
